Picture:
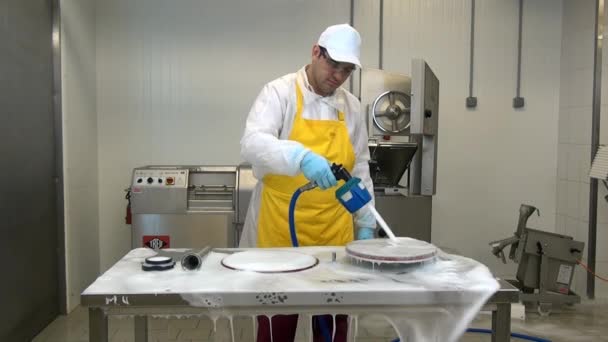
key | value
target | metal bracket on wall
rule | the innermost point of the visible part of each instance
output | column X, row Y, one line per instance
column 471, row 101
column 518, row 101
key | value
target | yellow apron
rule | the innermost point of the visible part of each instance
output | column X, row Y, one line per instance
column 319, row 218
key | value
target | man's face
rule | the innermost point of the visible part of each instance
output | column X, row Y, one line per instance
column 327, row 75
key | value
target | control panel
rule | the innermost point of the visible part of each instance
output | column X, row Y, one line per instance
column 175, row 178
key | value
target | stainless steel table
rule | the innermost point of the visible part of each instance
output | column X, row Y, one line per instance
column 500, row 305
column 126, row 290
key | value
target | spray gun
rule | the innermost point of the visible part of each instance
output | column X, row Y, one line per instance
column 352, row 195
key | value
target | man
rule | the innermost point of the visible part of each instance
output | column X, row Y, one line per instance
column 299, row 125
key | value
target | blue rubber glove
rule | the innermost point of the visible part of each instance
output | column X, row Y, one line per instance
column 365, row 233
column 316, row 169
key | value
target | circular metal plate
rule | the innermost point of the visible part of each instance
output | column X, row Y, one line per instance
column 404, row 251
column 391, row 112
column 265, row 261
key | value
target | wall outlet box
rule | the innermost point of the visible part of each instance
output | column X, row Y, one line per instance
column 471, row 102
column 518, row 102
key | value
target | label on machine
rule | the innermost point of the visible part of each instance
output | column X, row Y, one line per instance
column 156, row 241
column 564, row 274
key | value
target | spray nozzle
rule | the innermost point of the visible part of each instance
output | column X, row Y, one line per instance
column 340, row 172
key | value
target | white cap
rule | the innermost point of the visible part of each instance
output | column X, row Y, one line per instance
column 342, row 42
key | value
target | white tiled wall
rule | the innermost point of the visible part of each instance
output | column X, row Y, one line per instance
column 575, row 114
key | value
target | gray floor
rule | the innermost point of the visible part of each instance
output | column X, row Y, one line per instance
column 583, row 322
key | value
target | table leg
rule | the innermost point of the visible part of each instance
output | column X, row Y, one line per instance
column 501, row 323
column 141, row 329
column 98, row 325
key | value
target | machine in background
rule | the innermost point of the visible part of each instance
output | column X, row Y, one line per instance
column 403, row 113
column 546, row 264
column 189, row 206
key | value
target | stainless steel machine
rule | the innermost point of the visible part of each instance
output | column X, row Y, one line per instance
column 403, row 113
column 189, row 206
column 546, row 264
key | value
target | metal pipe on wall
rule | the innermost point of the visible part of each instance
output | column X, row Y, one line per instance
column 471, row 101
column 518, row 101
column 381, row 35
column 595, row 140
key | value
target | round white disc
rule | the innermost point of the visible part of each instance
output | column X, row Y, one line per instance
column 265, row 261
column 159, row 259
column 403, row 251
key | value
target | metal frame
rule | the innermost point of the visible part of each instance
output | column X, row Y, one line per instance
column 58, row 129
column 142, row 306
column 595, row 141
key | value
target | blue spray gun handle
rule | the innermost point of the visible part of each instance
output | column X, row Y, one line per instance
column 353, row 195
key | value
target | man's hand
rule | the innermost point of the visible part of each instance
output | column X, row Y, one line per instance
column 365, row 233
column 316, row 169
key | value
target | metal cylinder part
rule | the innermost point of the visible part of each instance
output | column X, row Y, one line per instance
column 192, row 261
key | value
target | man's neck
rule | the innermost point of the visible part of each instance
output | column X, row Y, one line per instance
column 311, row 81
